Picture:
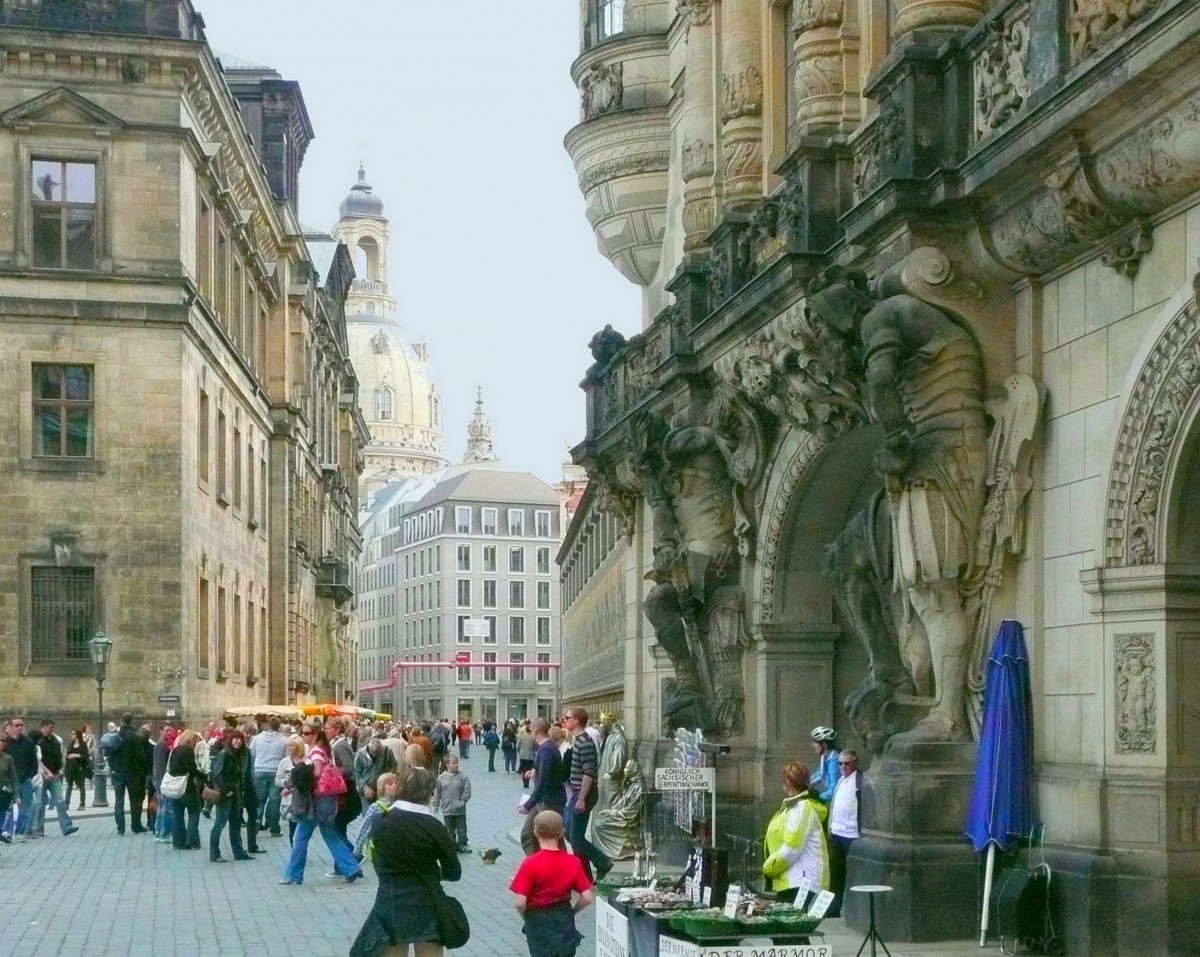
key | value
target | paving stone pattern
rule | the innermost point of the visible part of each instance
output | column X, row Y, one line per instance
column 95, row 893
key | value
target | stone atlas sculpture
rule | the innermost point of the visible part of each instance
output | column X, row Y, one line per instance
column 914, row 573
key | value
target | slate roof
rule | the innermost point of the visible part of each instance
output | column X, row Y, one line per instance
column 489, row 485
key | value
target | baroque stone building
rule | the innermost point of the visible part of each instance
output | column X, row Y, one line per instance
column 400, row 404
column 181, row 438
column 918, row 353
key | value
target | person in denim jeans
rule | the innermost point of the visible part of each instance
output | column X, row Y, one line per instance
column 24, row 754
column 267, row 749
column 317, row 812
column 52, row 761
column 166, row 807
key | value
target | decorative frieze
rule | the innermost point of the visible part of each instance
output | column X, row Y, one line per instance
column 1093, row 23
column 1002, row 73
column 1136, row 710
column 602, row 89
column 654, row 162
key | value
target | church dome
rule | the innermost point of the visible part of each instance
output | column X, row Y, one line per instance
column 362, row 200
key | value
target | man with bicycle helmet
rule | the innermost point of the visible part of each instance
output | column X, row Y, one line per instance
column 825, row 774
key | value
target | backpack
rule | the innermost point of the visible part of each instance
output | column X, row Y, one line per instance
column 491, row 740
column 110, row 742
column 441, row 740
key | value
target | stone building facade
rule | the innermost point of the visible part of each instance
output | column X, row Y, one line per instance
column 181, row 440
column 917, row 354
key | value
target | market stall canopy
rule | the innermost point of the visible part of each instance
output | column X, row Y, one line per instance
column 285, row 712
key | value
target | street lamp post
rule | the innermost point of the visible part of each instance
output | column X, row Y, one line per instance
column 101, row 650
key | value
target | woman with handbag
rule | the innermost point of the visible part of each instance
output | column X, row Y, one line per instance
column 413, row 853
column 78, row 766
column 185, row 835
column 227, row 782
column 158, row 768
column 317, row 810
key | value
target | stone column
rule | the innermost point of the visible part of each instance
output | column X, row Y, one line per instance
column 827, row 74
column 914, row 15
column 741, row 102
column 697, row 128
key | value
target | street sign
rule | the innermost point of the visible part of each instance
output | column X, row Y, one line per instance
column 462, row 658
column 168, row 699
column 684, row 779
column 477, row 628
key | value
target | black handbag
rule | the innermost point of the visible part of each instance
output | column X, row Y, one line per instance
column 453, row 927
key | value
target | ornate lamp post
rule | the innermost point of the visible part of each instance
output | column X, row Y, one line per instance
column 101, row 649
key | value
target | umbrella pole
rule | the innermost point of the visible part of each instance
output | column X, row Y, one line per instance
column 987, row 894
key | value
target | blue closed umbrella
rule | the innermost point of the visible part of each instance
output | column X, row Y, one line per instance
column 1001, row 809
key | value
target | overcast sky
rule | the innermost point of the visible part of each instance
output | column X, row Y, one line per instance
column 458, row 108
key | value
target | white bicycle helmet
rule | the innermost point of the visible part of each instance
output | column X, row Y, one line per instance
column 823, row 735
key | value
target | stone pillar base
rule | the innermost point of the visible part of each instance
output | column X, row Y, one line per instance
column 914, row 813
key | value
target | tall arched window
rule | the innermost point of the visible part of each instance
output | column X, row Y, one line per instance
column 383, row 403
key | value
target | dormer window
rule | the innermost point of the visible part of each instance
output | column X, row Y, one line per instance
column 383, row 403
column 379, row 344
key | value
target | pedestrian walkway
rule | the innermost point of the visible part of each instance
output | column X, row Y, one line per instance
column 95, row 893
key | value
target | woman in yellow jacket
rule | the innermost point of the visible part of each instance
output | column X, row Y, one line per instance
column 796, row 838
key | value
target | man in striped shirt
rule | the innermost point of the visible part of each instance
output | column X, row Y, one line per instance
column 584, row 771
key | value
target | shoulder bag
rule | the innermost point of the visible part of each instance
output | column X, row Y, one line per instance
column 173, row 786
column 453, row 927
column 330, row 783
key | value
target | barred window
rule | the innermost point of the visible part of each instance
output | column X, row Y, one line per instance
column 63, row 613
column 64, row 406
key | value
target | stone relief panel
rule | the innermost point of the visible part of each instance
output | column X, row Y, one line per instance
column 1091, row 24
column 1002, row 73
column 602, row 89
column 1187, row 705
column 1136, row 711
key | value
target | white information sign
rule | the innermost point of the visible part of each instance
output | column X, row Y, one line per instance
column 803, row 889
column 764, row 950
column 821, row 904
column 612, row 931
column 733, row 897
column 685, row 779
column 477, row 628
column 674, row 947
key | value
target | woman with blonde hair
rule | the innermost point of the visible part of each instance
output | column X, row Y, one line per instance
column 293, row 754
column 795, row 840
column 185, row 835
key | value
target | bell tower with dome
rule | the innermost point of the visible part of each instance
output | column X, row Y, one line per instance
column 398, row 400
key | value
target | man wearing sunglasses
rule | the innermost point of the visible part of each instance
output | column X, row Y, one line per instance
column 845, row 822
column 24, row 754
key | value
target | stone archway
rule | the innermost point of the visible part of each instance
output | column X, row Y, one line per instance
column 806, row 666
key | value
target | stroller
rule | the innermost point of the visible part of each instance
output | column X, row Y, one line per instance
column 1023, row 905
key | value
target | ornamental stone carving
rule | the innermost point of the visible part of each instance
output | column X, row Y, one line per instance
column 1136, row 711
column 741, row 94
column 697, row 12
column 813, row 14
column 655, row 162
column 602, row 89
column 912, row 15
column 1002, row 74
column 1150, row 431
column 696, row 160
column 1093, row 23
column 825, row 78
column 1124, row 255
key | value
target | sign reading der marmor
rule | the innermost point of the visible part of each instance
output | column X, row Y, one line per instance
column 684, row 779
column 673, row 947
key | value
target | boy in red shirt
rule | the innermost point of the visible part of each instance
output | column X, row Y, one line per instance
column 543, row 885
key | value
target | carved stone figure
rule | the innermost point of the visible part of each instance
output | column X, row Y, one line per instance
column 696, row 474
column 914, row 573
column 613, row 755
column 1136, row 712
column 1001, row 76
column 617, row 829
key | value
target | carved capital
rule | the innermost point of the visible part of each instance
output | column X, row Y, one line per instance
column 696, row 159
column 741, row 94
column 1124, row 255
column 913, row 15
column 816, row 14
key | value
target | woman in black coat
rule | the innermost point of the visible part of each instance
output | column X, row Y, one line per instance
column 79, row 765
column 413, row 853
column 182, row 761
column 228, row 776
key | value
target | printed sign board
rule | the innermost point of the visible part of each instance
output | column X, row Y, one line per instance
column 685, row 779
column 612, row 931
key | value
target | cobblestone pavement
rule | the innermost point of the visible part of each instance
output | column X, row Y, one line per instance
column 95, row 893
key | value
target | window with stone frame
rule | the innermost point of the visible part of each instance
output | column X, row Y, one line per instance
column 543, row 596
column 543, row 560
column 541, row 523
column 516, row 594
column 62, row 613
column 489, row 518
column 610, row 18
column 63, row 214
column 516, row 630
column 383, row 403
column 489, row 557
column 64, row 411
column 516, row 559
column 543, row 630
column 490, row 637
column 543, row 674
